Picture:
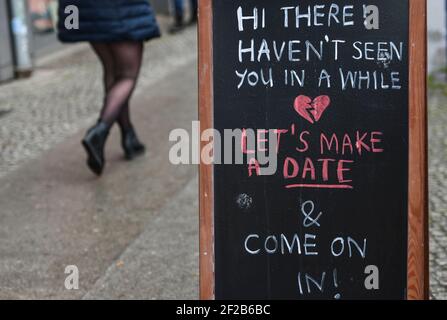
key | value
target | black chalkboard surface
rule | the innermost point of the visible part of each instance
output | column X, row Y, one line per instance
column 330, row 79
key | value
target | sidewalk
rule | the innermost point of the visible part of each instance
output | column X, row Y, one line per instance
column 437, row 36
column 135, row 229
column 437, row 157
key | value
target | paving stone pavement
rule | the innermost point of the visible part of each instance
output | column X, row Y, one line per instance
column 179, row 217
column 55, row 213
column 438, row 194
column 62, row 97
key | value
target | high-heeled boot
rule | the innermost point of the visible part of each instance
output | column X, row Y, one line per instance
column 130, row 143
column 94, row 142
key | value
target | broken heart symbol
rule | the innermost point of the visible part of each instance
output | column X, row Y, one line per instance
column 311, row 110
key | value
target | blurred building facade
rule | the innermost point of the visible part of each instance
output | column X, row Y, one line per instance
column 437, row 35
column 37, row 24
column 6, row 51
column 41, row 22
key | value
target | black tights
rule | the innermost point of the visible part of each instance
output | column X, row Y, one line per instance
column 121, row 62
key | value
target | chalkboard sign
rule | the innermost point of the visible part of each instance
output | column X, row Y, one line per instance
column 319, row 111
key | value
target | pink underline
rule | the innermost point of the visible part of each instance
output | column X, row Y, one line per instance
column 320, row 186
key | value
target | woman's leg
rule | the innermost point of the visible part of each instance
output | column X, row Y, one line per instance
column 121, row 62
column 193, row 11
column 127, row 58
column 124, row 51
column 178, row 8
column 96, row 136
column 124, row 118
column 104, row 54
column 178, row 16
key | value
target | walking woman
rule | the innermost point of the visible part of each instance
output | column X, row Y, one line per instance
column 116, row 30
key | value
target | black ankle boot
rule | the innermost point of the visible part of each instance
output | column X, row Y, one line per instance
column 178, row 24
column 94, row 142
column 193, row 19
column 131, row 145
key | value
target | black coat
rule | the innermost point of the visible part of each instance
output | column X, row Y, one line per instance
column 109, row 20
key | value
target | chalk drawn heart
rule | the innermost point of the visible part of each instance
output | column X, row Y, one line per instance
column 311, row 110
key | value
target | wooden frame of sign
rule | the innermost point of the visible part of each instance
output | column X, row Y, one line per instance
column 418, row 272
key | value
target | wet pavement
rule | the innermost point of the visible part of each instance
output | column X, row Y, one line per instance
column 438, row 194
column 55, row 213
column 437, row 117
